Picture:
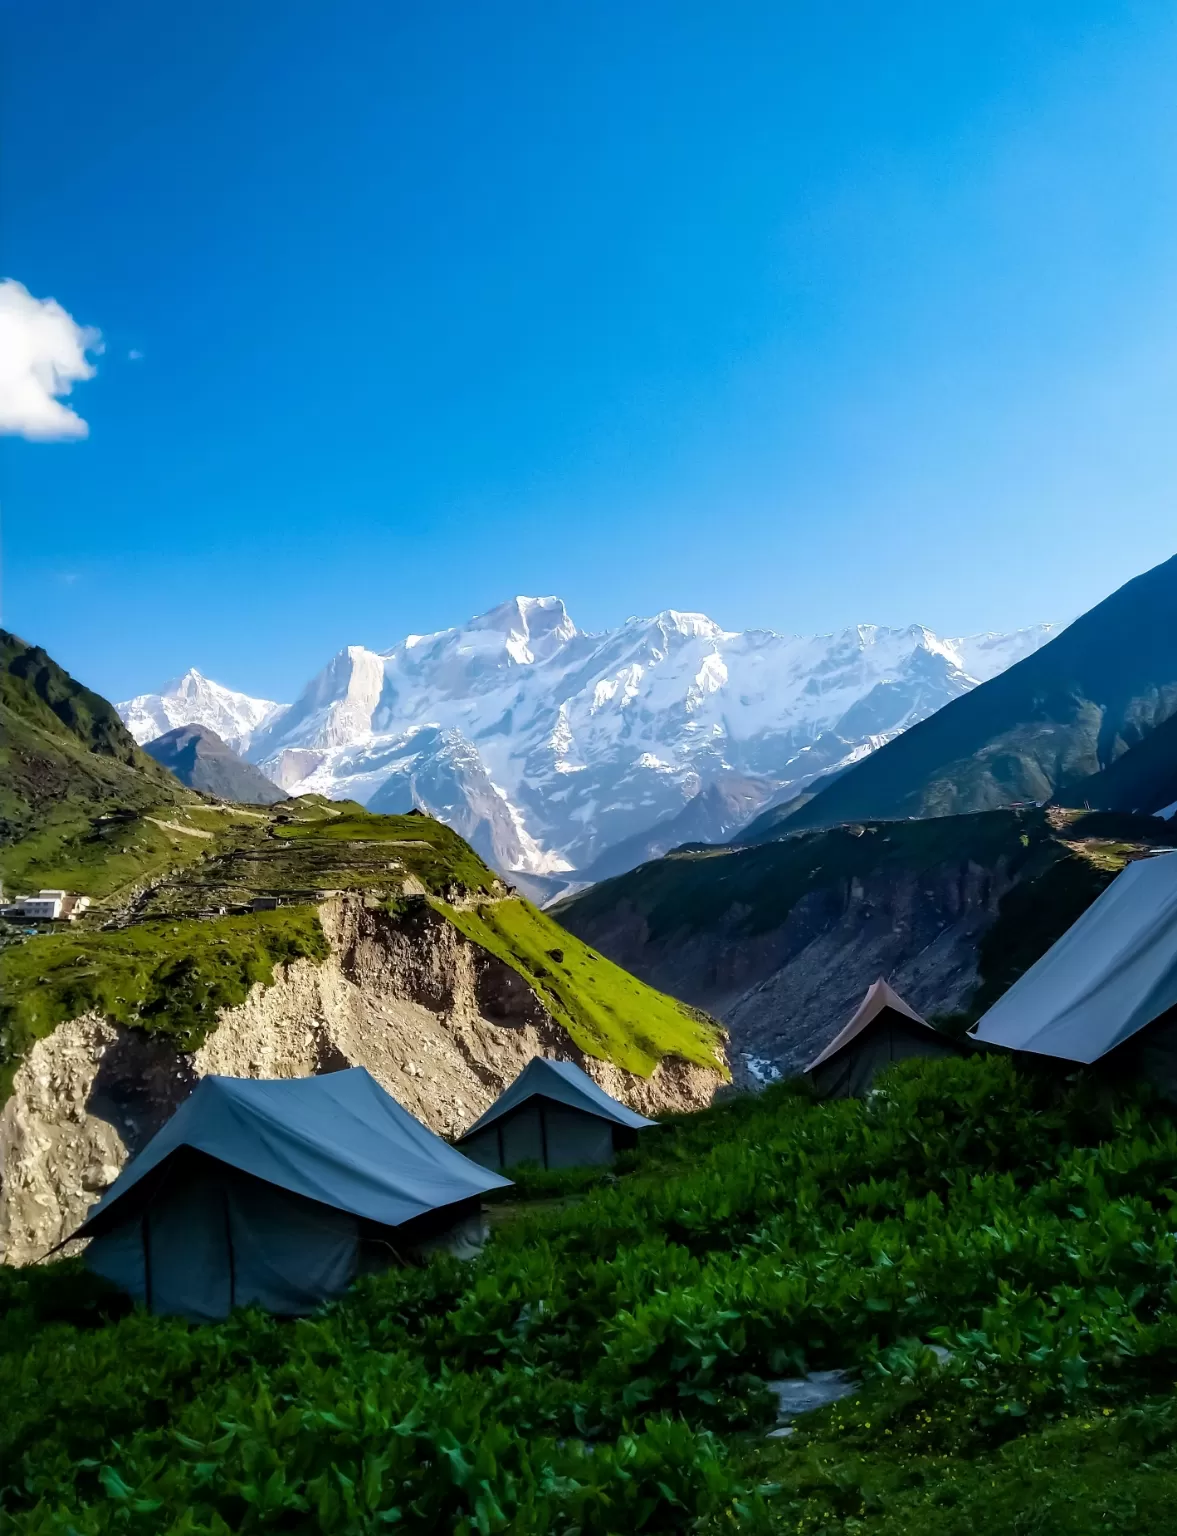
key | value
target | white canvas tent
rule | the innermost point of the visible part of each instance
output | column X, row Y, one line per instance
column 883, row 1030
column 275, row 1193
column 553, row 1114
column 1108, row 983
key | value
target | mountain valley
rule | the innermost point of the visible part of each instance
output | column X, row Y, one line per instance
column 781, row 939
column 275, row 940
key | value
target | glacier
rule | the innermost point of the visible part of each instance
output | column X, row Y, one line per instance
column 557, row 751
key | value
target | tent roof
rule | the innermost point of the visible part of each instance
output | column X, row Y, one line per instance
column 879, row 998
column 566, row 1084
column 339, row 1139
column 1111, row 973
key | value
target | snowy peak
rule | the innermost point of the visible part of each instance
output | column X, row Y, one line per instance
column 692, row 626
column 984, row 656
column 548, row 746
column 336, row 707
column 194, row 699
column 534, row 628
column 524, row 632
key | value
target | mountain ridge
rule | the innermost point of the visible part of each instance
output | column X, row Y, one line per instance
column 199, row 758
column 551, row 745
column 68, row 770
column 1067, row 711
column 780, row 939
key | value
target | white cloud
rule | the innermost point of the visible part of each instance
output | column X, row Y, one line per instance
column 42, row 355
column 134, row 355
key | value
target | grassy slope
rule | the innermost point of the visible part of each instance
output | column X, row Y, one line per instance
column 438, row 857
column 172, row 972
column 1065, row 712
column 609, row 1013
column 74, row 787
column 166, row 977
column 1025, row 1226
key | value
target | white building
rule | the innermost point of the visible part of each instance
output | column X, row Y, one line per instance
column 48, row 906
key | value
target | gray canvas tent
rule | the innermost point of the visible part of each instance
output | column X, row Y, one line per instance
column 276, row 1193
column 555, row 1115
column 1107, row 990
column 883, row 1030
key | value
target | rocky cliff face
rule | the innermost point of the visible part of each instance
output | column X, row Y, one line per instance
column 784, row 991
column 781, row 940
column 442, row 1024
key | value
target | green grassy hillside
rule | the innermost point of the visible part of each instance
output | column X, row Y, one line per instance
column 179, row 962
column 609, row 1013
column 83, row 808
column 1066, row 712
column 72, row 780
column 601, row 1367
column 165, row 977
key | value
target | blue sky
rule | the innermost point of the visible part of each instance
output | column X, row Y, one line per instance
column 801, row 315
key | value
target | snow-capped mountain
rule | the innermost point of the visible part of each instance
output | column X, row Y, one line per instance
column 196, row 700
column 548, row 746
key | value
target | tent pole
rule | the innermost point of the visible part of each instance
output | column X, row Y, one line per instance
column 229, row 1247
column 499, row 1136
column 146, row 1257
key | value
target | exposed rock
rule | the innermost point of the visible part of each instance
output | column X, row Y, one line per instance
column 80, row 1099
column 443, row 1025
column 785, row 989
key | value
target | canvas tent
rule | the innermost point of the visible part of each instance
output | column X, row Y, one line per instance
column 1108, row 988
column 276, row 1193
column 555, row 1115
column 883, row 1030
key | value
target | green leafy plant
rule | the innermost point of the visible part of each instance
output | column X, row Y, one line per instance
column 992, row 1253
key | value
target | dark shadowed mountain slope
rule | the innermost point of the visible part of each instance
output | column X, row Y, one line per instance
column 1143, row 780
column 199, row 758
column 1066, row 712
column 38, row 694
column 782, row 939
column 770, row 824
